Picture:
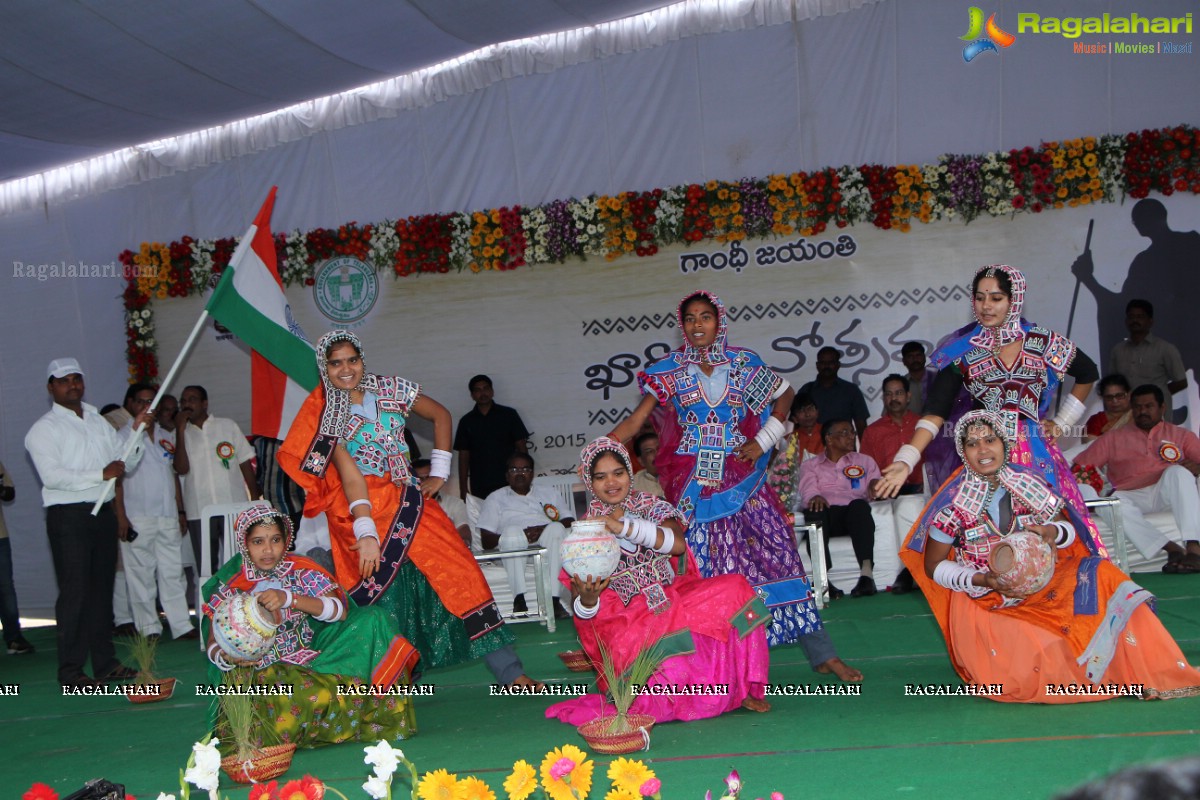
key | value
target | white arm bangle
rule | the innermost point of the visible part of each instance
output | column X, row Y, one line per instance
column 626, row 526
column 954, row 576
column 288, row 602
column 769, row 434
column 784, row 385
column 362, row 501
column 331, row 610
column 364, row 527
column 642, row 532
column 1066, row 534
column 583, row 612
column 909, row 456
column 926, row 425
column 1072, row 409
column 439, row 464
column 668, row 540
column 218, row 658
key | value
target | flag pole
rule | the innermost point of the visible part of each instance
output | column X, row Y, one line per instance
column 166, row 383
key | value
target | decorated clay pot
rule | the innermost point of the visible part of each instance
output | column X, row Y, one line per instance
column 589, row 549
column 1023, row 564
column 243, row 628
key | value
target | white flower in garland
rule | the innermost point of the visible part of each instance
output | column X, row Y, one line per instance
column 295, row 267
column 202, row 262
column 537, row 232
column 669, row 227
column 587, row 221
column 856, row 197
column 460, row 240
column 384, row 244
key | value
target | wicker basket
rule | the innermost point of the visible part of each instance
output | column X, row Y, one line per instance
column 166, row 687
column 576, row 660
column 267, row 763
column 618, row 743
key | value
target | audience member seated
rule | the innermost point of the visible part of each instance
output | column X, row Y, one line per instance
column 1152, row 465
column 1114, row 393
column 894, row 429
column 835, row 489
column 794, row 449
column 835, row 397
column 519, row 515
column 920, row 375
column 324, row 642
column 1145, row 358
column 885, row 436
column 1088, row 626
column 712, row 631
column 646, row 480
column 454, row 507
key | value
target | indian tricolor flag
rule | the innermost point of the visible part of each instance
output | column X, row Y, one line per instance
column 250, row 302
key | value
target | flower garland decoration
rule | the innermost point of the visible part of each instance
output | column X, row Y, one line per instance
column 1057, row 174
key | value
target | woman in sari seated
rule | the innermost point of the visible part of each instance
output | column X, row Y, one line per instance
column 711, row 631
column 339, row 659
column 1085, row 632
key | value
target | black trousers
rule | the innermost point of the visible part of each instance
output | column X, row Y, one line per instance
column 84, row 550
column 852, row 520
column 216, row 534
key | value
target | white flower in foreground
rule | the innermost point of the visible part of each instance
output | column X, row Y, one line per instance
column 376, row 787
column 384, row 758
column 165, row 796
column 205, row 772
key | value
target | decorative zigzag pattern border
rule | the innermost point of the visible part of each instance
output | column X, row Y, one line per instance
column 787, row 308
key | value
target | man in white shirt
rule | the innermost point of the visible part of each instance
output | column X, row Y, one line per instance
column 76, row 452
column 646, row 479
column 154, row 524
column 519, row 515
column 215, row 456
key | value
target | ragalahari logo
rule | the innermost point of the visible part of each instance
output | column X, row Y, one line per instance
column 978, row 43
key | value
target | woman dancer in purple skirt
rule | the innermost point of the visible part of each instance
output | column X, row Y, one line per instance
column 723, row 409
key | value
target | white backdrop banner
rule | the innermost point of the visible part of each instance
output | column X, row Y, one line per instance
column 564, row 343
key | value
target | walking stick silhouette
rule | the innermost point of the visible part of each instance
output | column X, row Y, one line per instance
column 1087, row 248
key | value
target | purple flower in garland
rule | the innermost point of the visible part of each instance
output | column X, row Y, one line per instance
column 966, row 188
column 562, row 239
column 756, row 208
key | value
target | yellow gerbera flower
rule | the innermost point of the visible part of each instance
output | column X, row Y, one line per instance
column 628, row 773
column 522, row 782
column 471, row 788
column 622, row 794
column 437, row 785
column 578, row 778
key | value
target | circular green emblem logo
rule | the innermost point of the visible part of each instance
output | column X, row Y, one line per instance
column 345, row 289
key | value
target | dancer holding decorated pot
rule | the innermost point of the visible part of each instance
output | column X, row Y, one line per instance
column 722, row 413
column 339, row 660
column 711, row 632
column 1027, row 604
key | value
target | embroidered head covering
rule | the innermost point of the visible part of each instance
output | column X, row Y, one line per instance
column 255, row 515
column 337, row 401
column 1010, row 329
column 715, row 352
column 639, row 504
column 975, row 491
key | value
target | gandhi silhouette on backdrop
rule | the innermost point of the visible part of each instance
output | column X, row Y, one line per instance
column 1163, row 273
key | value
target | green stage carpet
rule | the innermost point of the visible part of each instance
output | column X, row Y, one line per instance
column 878, row 745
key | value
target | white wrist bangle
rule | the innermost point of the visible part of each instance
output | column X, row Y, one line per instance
column 909, row 456
column 218, row 658
column 288, row 602
column 439, row 464
column 769, row 434
column 926, row 425
column 1066, row 534
column 668, row 540
column 626, row 526
column 364, row 527
column 784, row 385
column 583, row 612
column 362, row 501
column 331, row 609
column 643, row 532
column 1070, row 412
column 954, row 576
